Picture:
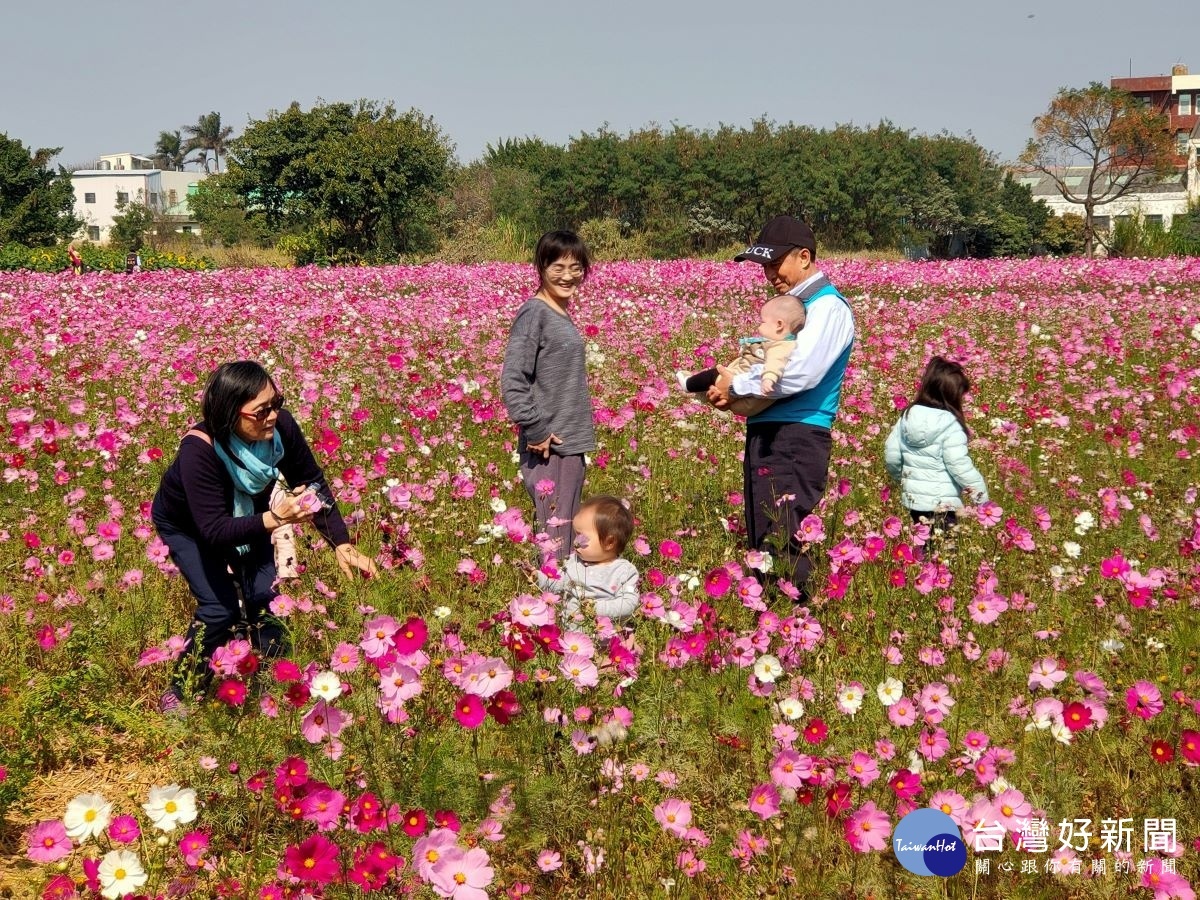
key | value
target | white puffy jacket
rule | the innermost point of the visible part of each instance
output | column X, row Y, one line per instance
column 927, row 453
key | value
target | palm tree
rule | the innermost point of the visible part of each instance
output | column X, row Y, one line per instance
column 208, row 135
column 169, row 152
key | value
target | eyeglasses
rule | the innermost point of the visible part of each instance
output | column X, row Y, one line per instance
column 261, row 415
column 559, row 269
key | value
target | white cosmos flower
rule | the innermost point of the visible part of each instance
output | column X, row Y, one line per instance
column 441, row 612
column 1112, row 645
column 790, row 708
column 327, row 686
column 170, row 806
column 1061, row 733
column 890, row 691
column 1072, row 549
column 498, row 506
column 87, row 816
column 120, row 873
column 767, row 669
column 1084, row 522
column 850, row 699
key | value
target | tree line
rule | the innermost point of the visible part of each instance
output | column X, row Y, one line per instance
column 363, row 182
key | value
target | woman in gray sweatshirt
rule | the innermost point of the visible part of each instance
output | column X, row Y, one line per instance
column 545, row 388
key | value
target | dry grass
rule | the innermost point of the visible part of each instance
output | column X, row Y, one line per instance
column 124, row 782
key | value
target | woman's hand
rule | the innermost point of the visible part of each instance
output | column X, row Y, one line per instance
column 286, row 506
column 349, row 558
column 544, row 447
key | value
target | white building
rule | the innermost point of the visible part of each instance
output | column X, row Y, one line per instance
column 128, row 178
column 1159, row 202
column 1175, row 96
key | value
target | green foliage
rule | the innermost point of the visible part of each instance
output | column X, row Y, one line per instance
column 208, row 135
column 1064, row 235
column 222, row 216
column 1136, row 236
column 606, row 242
column 169, row 151
column 357, row 182
column 681, row 192
column 130, row 225
column 109, row 258
column 36, row 205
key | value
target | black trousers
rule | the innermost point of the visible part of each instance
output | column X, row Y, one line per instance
column 785, row 471
column 232, row 598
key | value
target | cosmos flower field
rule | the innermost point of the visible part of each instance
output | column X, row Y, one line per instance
column 437, row 732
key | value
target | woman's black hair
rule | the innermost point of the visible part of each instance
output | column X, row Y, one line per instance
column 943, row 386
column 553, row 246
column 230, row 387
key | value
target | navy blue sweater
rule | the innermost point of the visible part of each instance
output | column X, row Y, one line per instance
column 196, row 492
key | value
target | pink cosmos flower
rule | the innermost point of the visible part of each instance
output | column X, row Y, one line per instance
column 462, row 874
column 47, row 842
column 323, row 721
column 862, row 768
column 902, row 713
column 1144, row 700
column 1012, row 809
column 790, row 768
column 345, row 658
column 952, row 804
column 1166, row 884
column 811, row 530
column 868, row 828
column 428, row 850
column 764, row 800
column 933, row 744
column 549, row 860
column 1046, row 674
column 674, row 816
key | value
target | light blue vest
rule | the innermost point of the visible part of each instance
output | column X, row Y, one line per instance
column 819, row 404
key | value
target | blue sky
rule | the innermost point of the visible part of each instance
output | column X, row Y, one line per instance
column 95, row 80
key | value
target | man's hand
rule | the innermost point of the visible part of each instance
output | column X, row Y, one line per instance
column 718, row 394
column 544, row 447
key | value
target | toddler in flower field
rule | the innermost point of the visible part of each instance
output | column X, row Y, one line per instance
column 594, row 580
column 927, row 449
column 780, row 318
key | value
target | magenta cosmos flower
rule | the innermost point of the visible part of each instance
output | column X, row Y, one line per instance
column 470, row 711
column 315, row 860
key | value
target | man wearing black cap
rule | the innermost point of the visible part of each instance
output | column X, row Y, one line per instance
column 788, row 444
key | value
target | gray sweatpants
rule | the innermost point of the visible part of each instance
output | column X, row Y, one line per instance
column 564, row 475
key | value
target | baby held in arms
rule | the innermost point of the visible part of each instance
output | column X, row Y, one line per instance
column 780, row 318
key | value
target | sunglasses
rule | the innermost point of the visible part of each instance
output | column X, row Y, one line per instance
column 261, row 415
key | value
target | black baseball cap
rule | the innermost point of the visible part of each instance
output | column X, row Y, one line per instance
column 777, row 239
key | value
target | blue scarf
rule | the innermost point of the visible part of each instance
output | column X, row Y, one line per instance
column 253, row 467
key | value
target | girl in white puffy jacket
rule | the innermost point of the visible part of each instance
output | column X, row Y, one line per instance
column 927, row 449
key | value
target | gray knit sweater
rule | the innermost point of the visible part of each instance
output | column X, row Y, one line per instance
column 544, row 380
